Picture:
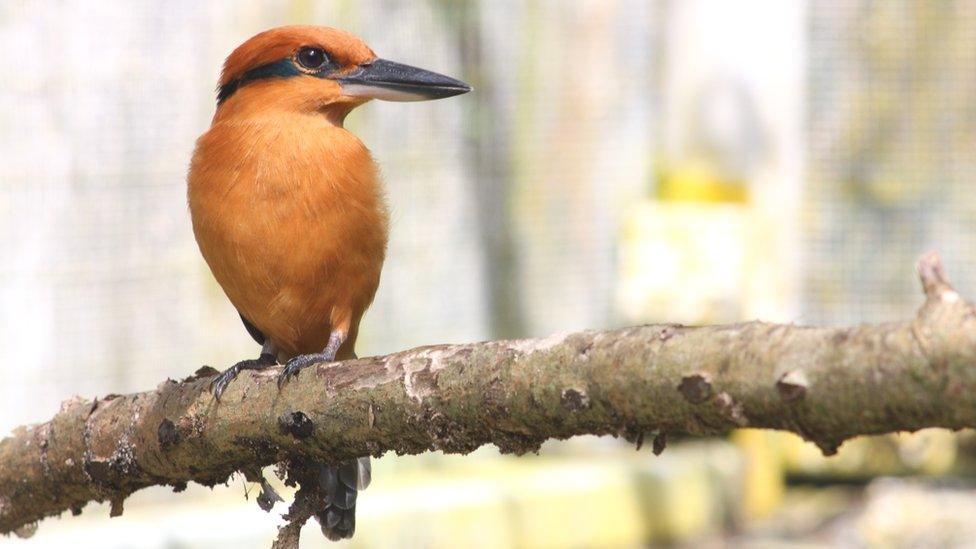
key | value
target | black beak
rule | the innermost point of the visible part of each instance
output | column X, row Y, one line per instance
column 382, row 79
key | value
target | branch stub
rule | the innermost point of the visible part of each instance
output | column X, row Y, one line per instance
column 792, row 386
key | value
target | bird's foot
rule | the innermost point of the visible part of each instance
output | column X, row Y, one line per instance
column 220, row 383
column 296, row 364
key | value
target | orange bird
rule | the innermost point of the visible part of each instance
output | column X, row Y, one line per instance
column 288, row 207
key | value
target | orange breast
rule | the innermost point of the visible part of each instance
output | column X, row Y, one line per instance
column 289, row 215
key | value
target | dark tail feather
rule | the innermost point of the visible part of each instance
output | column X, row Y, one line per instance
column 340, row 485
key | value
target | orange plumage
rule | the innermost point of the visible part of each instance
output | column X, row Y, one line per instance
column 287, row 205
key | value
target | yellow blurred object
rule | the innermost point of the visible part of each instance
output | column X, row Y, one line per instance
column 627, row 499
column 697, row 183
column 683, row 262
column 683, row 256
column 575, row 505
column 929, row 451
column 416, row 512
column 531, row 503
column 679, row 502
column 764, row 478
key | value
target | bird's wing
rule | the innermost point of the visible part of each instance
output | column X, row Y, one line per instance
column 252, row 329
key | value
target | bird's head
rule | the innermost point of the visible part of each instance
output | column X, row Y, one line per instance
column 320, row 69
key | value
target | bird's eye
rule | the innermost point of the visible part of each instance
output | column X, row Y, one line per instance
column 312, row 58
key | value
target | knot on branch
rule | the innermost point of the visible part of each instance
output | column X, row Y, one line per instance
column 792, row 386
column 574, row 399
column 696, row 388
column 297, row 424
column 166, row 434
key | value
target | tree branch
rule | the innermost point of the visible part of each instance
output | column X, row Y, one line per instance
column 825, row 384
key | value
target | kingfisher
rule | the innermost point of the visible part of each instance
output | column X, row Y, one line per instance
column 288, row 207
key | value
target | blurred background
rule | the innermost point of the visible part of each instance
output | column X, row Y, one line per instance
column 620, row 162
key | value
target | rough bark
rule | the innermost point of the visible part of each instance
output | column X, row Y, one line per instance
column 825, row 384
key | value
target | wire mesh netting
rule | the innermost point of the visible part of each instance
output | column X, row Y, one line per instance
column 619, row 161
column 890, row 154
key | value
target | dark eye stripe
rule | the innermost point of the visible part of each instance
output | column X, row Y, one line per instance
column 282, row 68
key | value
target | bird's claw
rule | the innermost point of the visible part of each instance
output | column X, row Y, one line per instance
column 220, row 383
column 296, row 364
